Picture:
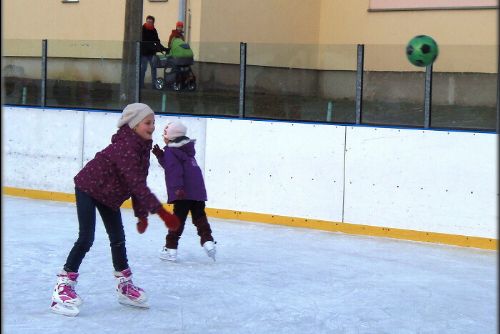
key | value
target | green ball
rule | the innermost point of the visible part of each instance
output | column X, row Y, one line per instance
column 422, row 50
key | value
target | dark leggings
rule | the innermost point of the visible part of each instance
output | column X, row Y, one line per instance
column 199, row 217
column 86, row 210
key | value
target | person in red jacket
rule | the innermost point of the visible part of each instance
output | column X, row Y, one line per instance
column 178, row 32
column 115, row 174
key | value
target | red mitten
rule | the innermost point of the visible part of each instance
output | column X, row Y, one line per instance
column 142, row 224
column 171, row 221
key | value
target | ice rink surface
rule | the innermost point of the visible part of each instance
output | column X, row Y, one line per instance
column 267, row 279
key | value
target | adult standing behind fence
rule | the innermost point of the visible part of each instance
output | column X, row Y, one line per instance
column 149, row 47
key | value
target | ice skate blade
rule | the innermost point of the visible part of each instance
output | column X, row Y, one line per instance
column 211, row 254
column 67, row 310
column 127, row 302
column 166, row 259
column 74, row 302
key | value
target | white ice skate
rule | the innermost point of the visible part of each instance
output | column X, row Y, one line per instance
column 168, row 254
column 210, row 249
column 127, row 292
column 65, row 300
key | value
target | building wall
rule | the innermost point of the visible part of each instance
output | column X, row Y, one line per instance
column 87, row 20
column 42, row 19
column 468, row 39
column 258, row 21
column 346, row 22
column 194, row 19
column 261, row 21
column 316, row 34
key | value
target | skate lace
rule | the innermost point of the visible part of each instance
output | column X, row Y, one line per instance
column 128, row 288
column 66, row 288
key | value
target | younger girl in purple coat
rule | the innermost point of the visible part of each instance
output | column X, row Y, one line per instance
column 115, row 174
column 185, row 188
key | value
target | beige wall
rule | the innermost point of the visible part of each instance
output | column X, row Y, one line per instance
column 346, row 22
column 260, row 21
column 467, row 38
column 301, row 34
column 194, row 19
column 273, row 29
column 287, row 33
column 52, row 19
column 88, row 29
column 85, row 20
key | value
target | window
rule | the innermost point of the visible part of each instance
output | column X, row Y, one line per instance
column 386, row 5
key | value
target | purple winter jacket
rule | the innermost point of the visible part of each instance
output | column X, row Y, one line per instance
column 119, row 172
column 182, row 171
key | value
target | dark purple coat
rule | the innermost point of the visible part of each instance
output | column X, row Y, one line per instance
column 119, row 172
column 182, row 171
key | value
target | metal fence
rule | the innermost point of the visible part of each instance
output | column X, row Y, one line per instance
column 250, row 82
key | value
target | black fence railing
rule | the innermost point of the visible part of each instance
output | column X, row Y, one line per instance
column 249, row 89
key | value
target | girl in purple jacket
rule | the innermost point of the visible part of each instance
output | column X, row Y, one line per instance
column 185, row 188
column 116, row 174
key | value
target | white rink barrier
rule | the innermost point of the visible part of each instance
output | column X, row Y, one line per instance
column 423, row 180
column 425, row 185
column 278, row 168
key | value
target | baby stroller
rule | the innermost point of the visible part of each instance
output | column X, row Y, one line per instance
column 176, row 66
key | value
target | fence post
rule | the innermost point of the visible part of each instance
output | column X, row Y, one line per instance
column 137, row 94
column 43, row 86
column 243, row 75
column 329, row 111
column 24, row 93
column 164, row 102
column 428, row 96
column 359, row 82
column 498, row 94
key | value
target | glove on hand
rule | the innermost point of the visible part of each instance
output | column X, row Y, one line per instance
column 157, row 151
column 142, row 224
column 171, row 221
column 180, row 194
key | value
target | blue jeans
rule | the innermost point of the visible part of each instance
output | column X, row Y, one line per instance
column 145, row 60
column 86, row 210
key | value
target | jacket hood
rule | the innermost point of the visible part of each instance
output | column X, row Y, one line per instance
column 185, row 144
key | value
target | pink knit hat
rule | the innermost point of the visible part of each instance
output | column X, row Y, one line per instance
column 174, row 130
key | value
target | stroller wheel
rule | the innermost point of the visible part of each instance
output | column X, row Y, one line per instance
column 177, row 86
column 191, row 86
column 159, row 83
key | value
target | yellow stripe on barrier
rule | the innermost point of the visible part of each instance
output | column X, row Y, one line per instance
column 432, row 237
column 39, row 194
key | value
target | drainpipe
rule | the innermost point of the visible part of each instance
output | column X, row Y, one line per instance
column 182, row 17
column 182, row 11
